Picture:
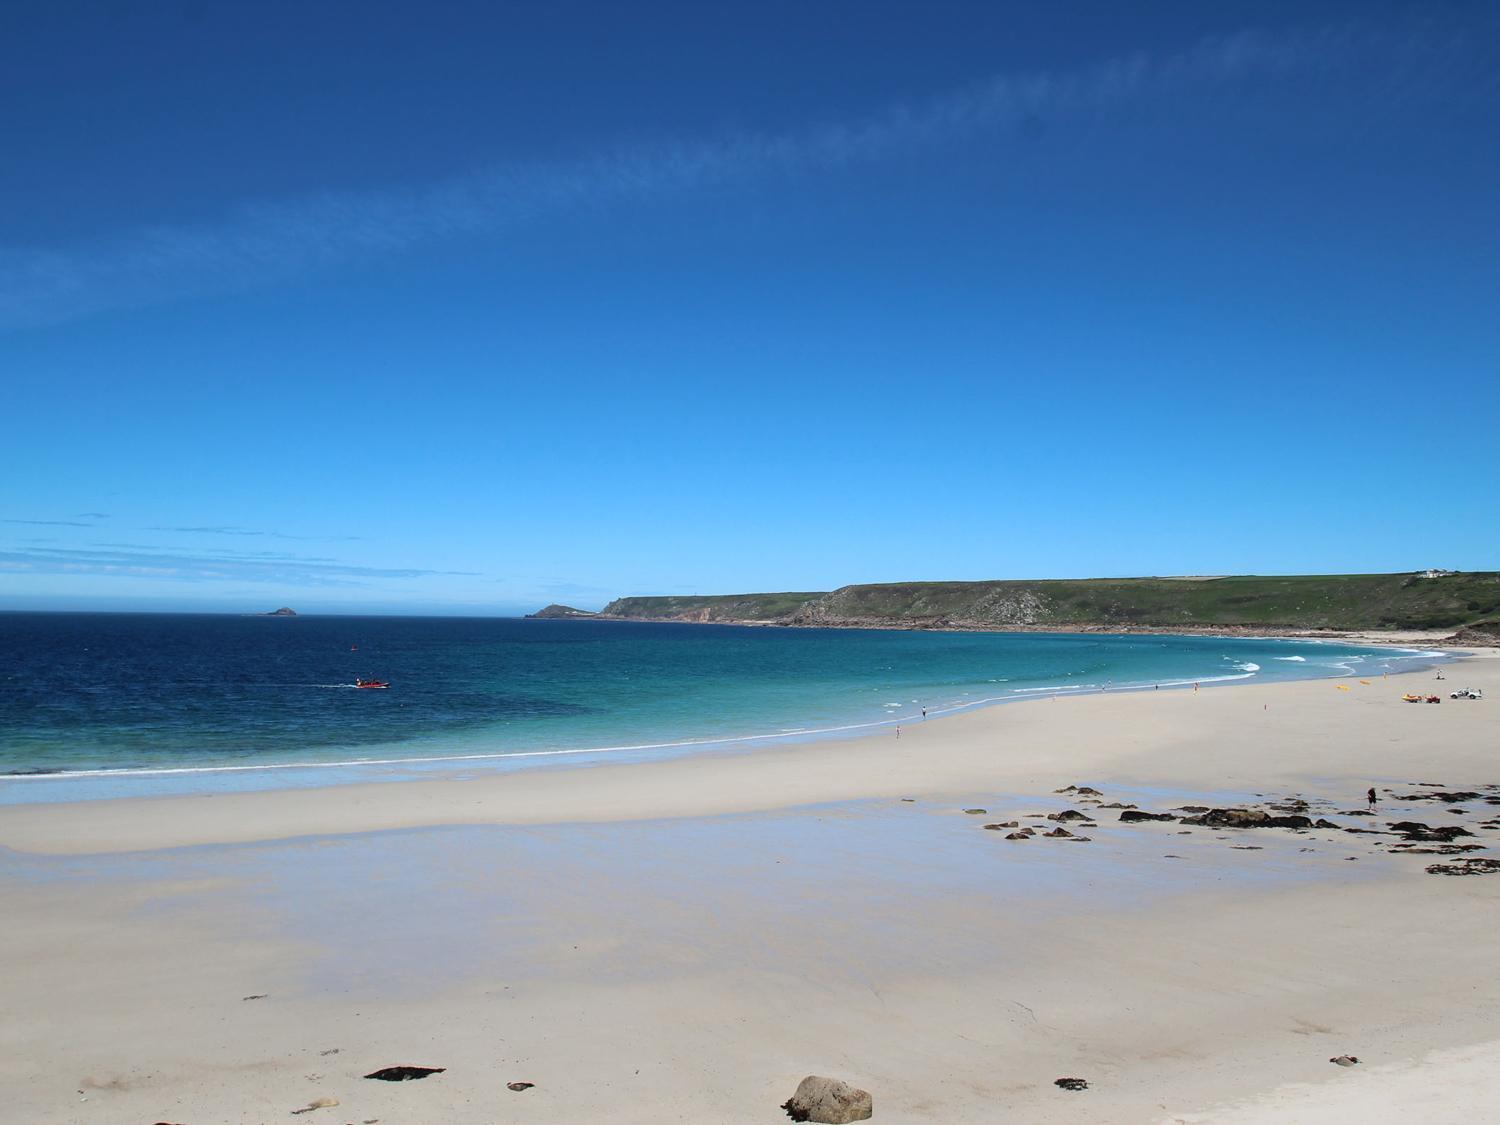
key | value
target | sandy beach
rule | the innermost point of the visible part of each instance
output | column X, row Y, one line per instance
column 686, row 939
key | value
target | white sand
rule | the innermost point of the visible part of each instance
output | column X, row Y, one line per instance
column 616, row 938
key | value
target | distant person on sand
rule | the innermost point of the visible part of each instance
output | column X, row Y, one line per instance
column 924, row 713
column 1370, row 793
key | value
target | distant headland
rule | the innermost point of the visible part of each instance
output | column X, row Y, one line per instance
column 1467, row 602
column 554, row 611
column 284, row 611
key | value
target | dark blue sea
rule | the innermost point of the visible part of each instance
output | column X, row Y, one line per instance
column 165, row 696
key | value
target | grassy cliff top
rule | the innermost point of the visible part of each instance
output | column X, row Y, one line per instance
column 1323, row 601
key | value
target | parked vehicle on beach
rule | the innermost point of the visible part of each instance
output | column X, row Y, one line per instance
column 1467, row 693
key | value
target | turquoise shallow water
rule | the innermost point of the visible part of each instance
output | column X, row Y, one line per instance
column 164, row 696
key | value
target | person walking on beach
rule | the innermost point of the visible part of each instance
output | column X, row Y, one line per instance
column 924, row 714
column 1370, row 793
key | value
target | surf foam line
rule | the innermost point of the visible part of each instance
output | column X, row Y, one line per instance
column 499, row 755
column 731, row 740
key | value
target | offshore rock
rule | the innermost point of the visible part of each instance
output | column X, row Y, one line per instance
column 828, row 1100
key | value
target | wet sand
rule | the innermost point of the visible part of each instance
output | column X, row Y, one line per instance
column 687, row 939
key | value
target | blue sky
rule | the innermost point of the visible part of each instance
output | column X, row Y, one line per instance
column 467, row 308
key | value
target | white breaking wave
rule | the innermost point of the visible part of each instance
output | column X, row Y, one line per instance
column 1298, row 659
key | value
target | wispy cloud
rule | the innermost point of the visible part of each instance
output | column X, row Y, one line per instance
column 228, row 529
column 252, row 567
column 261, row 244
column 76, row 521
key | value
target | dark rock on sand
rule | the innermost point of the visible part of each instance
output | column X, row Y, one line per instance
column 1116, row 805
column 1135, row 816
column 1003, row 824
column 1070, row 1084
column 404, row 1073
column 1246, row 818
column 1321, row 823
column 1067, row 815
column 1192, row 808
column 1344, row 1060
column 1446, row 797
column 1437, row 849
column 1023, row 835
column 976, row 812
column 1414, row 831
column 1465, row 867
column 519, row 1086
column 1058, row 833
column 828, row 1100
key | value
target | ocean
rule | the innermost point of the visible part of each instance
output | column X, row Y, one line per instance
column 104, row 704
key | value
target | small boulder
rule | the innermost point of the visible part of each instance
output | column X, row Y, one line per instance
column 1344, row 1060
column 1067, row 815
column 1070, row 1084
column 976, row 812
column 1135, row 816
column 828, row 1100
column 1018, row 835
column 1059, row 833
column 404, row 1073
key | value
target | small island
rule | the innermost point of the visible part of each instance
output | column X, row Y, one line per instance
column 284, row 611
column 555, row 611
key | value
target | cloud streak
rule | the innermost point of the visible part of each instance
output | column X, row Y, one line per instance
column 261, row 244
column 228, row 529
column 76, row 521
column 257, row 567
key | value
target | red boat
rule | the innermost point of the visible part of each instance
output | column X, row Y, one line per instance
column 371, row 684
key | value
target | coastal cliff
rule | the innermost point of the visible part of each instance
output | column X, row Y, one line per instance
column 1251, row 603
